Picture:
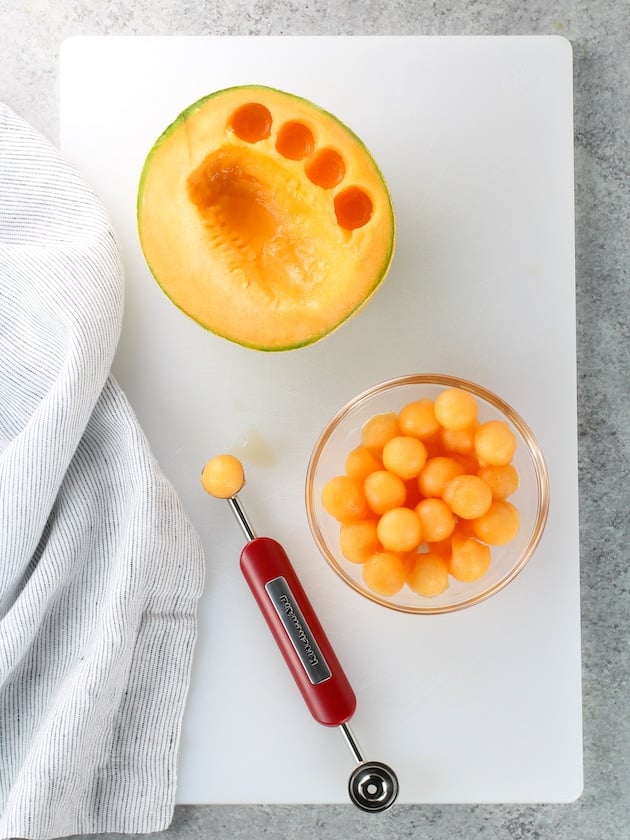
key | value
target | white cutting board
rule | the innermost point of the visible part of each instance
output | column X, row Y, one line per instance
column 475, row 137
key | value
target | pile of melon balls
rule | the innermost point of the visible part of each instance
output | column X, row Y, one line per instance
column 424, row 495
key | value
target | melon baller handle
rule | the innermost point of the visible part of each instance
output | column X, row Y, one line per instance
column 372, row 786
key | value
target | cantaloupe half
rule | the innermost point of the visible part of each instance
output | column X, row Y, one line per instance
column 264, row 218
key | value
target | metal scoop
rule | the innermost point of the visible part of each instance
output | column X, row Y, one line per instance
column 373, row 786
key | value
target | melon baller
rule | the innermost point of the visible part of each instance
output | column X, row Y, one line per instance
column 372, row 786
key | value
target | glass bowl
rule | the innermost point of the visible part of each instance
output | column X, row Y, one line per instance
column 342, row 434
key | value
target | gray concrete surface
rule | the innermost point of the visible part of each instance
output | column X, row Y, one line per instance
column 31, row 33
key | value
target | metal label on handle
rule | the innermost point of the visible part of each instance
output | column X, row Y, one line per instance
column 298, row 630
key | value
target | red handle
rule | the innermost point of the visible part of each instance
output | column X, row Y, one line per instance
column 297, row 631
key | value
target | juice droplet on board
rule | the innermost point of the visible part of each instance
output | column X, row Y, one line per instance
column 256, row 449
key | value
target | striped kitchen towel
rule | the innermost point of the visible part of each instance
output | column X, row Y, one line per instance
column 100, row 568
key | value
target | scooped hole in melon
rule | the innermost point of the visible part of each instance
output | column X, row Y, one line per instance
column 326, row 169
column 251, row 122
column 295, row 140
column 353, row 208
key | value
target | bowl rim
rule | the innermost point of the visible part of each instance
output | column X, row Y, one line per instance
column 446, row 380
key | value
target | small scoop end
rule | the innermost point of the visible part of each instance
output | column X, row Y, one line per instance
column 223, row 476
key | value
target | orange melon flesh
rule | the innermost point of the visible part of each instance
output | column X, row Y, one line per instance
column 264, row 218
